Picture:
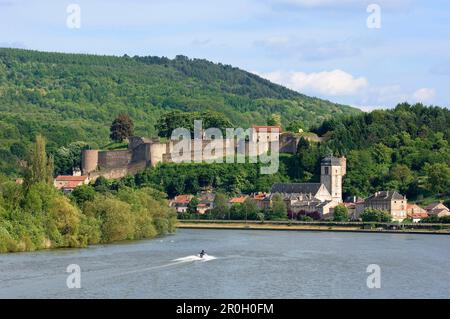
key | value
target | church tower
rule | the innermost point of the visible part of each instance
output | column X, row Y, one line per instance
column 332, row 169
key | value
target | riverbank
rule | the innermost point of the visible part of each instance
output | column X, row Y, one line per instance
column 322, row 226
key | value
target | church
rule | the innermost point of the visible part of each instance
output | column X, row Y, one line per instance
column 315, row 197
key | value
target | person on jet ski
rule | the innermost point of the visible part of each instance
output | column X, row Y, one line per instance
column 202, row 253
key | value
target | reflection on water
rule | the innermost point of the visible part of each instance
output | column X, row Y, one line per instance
column 242, row 264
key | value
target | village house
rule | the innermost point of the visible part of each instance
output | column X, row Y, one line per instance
column 67, row 183
column 181, row 202
column 389, row 201
column 259, row 199
column 415, row 212
column 355, row 208
column 437, row 209
column 206, row 202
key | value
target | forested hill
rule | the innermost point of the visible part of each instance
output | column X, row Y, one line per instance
column 406, row 149
column 74, row 97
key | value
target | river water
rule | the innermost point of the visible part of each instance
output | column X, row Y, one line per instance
column 240, row 264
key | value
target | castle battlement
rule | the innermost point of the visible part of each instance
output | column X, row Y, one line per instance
column 144, row 152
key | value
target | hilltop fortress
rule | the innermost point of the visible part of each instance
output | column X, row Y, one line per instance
column 144, row 152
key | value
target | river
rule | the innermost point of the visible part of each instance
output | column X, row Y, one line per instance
column 241, row 264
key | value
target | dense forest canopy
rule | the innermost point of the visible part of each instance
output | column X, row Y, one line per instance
column 406, row 148
column 73, row 98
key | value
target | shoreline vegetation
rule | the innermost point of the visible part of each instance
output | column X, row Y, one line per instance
column 34, row 215
column 391, row 228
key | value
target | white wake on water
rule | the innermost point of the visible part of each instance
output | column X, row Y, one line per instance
column 192, row 258
column 178, row 261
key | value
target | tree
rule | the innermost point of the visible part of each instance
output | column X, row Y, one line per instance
column 296, row 126
column 116, row 219
column 69, row 157
column 82, row 194
column 438, row 178
column 121, row 128
column 177, row 119
column 274, row 120
column 278, row 209
column 250, row 209
column 19, row 150
column 340, row 213
column 102, row 185
column 192, row 206
column 39, row 167
column 402, row 174
column 307, row 160
column 221, row 209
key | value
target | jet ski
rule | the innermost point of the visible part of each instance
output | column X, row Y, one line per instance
column 202, row 253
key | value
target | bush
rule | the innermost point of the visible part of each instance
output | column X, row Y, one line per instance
column 90, row 233
column 340, row 214
column 375, row 215
column 116, row 219
column 302, row 215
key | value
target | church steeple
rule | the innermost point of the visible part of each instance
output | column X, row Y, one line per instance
column 331, row 172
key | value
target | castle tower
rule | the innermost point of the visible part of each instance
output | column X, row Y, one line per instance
column 332, row 169
column 89, row 161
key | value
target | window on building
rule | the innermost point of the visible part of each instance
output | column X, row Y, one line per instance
column 327, row 171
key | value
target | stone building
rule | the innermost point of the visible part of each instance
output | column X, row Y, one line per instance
column 415, row 212
column 181, row 203
column 389, row 201
column 67, row 183
column 437, row 209
column 314, row 197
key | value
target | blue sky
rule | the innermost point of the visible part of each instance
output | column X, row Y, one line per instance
column 318, row 47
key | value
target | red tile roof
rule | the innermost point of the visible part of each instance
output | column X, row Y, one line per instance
column 183, row 199
column 260, row 196
column 417, row 215
column 238, row 200
column 70, row 178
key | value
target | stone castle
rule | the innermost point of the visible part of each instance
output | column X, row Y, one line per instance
column 144, row 152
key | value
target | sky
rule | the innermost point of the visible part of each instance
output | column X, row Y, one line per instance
column 346, row 51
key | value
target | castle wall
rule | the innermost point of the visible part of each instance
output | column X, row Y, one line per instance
column 140, row 153
column 288, row 143
column 113, row 159
column 143, row 152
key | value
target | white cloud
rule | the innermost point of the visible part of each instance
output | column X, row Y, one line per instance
column 348, row 89
column 328, row 83
column 424, row 95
